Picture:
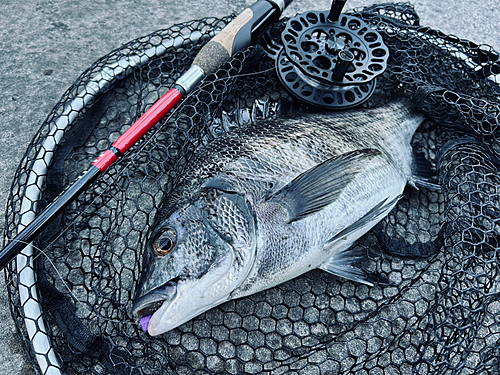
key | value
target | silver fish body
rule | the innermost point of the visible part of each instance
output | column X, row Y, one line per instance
column 270, row 201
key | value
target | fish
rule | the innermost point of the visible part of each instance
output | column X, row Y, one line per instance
column 267, row 202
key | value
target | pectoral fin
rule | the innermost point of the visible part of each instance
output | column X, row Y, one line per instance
column 220, row 183
column 320, row 186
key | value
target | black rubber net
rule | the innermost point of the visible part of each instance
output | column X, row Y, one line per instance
column 439, row 313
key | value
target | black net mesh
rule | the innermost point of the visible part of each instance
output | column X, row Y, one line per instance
column 440, row 312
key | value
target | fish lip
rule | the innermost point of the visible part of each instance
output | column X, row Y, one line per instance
column 149, row 303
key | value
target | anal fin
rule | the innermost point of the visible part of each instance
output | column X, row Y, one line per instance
column 341, row 263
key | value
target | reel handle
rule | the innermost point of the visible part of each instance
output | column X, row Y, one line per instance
column 336, row 10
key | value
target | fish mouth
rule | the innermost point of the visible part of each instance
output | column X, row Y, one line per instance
column 149, row 309
column 149, row 303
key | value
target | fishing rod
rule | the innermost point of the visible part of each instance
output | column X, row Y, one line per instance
column 240, row 33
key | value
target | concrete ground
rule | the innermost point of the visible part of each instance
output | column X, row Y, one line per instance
column 44, row 46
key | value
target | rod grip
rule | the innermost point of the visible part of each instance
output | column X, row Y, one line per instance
column 220, row 48
column 240, row 33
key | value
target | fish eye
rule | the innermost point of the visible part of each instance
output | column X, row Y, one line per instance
column 164, row 242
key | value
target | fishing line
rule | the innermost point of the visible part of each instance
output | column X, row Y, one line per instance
column 315, row 323
column 26, row 275
column 122, row 170
column 129, row 161
column 42, row 252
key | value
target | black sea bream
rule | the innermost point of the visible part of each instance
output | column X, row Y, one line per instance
column 270, row 201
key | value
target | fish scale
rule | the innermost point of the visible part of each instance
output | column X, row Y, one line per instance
column 291, row 195
column 229, row 220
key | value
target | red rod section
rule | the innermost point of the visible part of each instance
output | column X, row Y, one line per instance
column 139, row 128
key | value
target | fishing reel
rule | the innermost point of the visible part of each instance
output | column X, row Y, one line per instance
column 330, row 60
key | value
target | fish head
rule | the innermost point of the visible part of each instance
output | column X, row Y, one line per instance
column 194, row 260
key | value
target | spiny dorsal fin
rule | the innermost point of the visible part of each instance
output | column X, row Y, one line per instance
column 319, row 186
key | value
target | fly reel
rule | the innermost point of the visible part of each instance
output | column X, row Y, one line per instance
column 330, row 60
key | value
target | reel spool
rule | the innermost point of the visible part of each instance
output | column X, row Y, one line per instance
column 330, row 60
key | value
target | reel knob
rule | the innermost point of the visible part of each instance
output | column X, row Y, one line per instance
column 330, row 64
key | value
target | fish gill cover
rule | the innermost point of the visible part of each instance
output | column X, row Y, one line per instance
column 440, row 313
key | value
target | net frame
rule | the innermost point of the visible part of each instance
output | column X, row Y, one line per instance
column 439, row 99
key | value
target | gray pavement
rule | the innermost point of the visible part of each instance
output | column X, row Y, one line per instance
column 44, row 46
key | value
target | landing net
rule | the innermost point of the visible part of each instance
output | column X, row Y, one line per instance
column 440, row 313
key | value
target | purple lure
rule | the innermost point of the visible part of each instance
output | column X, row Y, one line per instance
column 145, row 322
